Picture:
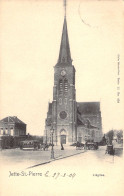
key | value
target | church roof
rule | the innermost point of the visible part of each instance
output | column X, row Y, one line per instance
column 11, row 119
column 64, row 54
column 80, row 121
column 49, row 115
column 88, row 107
column 84, row 122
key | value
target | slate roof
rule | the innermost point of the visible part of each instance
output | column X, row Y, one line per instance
column 88, row 107
column 11, row 119
column 49, row 115
column 64, row 54
column 83, row 122
column 80, row 120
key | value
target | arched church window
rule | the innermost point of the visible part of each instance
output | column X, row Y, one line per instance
column 60, row 101
column 60, row 87
column 93, row 133
column 65, row 101
column 65, row 86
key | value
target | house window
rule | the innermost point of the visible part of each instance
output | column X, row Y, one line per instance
column 17, row 132
column 11, row 131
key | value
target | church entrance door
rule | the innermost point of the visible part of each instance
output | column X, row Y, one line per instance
column 63, row 139
column 63, row 136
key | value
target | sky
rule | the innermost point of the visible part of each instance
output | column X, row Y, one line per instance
column 30, row 35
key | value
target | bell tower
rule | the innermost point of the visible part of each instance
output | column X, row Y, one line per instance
column 66, row 118
column 64, row 93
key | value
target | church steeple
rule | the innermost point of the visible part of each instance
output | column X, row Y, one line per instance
column 64, row 54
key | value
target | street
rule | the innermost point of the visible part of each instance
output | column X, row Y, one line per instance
column 24, row 158
column 89, row 172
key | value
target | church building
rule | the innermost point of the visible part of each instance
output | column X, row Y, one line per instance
column 69, row 120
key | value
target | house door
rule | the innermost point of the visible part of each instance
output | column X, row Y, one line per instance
column 63, row 139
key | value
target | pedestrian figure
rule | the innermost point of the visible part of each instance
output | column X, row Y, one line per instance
column 85, row 146
column 62, row 148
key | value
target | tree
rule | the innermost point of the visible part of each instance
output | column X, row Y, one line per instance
column 110, row 135
column 119, row 135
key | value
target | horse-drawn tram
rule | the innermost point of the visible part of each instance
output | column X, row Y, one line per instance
column 30, row 145
column 89, row 145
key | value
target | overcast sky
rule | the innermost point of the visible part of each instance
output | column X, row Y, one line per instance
column 30, row 35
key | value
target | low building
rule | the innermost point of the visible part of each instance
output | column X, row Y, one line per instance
column 12, row 126
column 12, row 131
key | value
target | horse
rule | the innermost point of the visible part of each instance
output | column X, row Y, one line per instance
column 44, row 147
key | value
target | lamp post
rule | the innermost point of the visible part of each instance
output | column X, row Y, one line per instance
column 52, row 150
column 56, row 140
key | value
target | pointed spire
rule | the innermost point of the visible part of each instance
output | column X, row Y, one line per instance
column 64, row 54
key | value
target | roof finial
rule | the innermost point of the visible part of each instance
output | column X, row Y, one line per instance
column 65, row 7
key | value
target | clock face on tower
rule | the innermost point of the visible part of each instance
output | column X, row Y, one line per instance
column 63, row 115
column 63, row 72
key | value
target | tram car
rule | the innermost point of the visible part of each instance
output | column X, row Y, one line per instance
column 30, row 145
column 90, row 145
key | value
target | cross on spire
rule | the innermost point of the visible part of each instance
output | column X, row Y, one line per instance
column 65, row 4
